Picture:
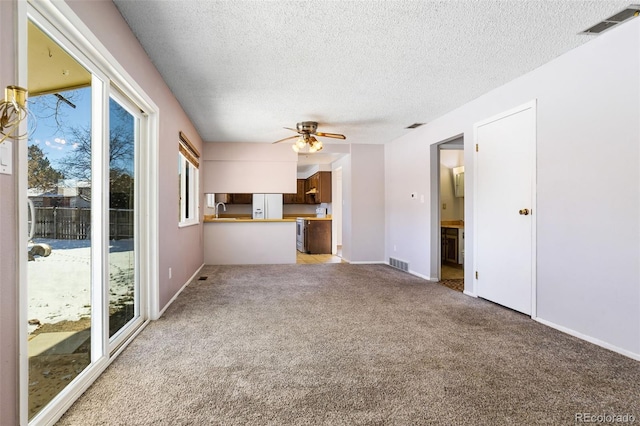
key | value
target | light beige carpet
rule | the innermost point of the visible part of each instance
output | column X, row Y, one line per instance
column 342, row 344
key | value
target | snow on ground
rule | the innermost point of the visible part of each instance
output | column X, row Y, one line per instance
column 59, row 284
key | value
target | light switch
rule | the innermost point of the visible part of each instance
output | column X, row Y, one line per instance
column 6, row 159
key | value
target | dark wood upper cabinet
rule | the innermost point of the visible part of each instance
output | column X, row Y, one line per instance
column 318, row 188
column 319, row 184
column 234, row 198
column 242, row 198
column 298, row 197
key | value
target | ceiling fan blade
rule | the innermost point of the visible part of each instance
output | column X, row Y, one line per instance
column 289, row 128
column 331, row 135
column 286, row 139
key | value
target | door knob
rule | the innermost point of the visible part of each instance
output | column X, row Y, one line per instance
column 524, row 212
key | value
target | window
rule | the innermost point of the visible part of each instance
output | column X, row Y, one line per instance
column 188, row 180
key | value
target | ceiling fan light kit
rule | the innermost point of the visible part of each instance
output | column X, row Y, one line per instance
column 306, row 141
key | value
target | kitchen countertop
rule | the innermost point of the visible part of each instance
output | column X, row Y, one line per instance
column 458, row 224
column 245, row 218
column 211, row 219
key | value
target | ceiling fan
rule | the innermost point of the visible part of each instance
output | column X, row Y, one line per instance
column 307, row 131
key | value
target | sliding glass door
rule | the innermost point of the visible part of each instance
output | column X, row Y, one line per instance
column 83, row 274
column 60, row 181
column 124, row 287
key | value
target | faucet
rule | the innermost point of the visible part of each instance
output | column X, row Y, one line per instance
column 218, row 205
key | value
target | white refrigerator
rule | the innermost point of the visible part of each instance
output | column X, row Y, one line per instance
column 267, row 206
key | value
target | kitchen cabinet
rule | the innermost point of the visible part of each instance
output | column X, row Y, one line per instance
column 452, row 244
column 234, row 198
column 299, row 196
column 318, row 188
column 242, row 198
column 317, row 238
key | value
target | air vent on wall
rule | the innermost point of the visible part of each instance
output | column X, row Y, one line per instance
column 399, row 264
column 414, row 125
column 620, row 17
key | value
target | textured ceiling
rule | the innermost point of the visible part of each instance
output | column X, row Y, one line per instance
column 243, row 70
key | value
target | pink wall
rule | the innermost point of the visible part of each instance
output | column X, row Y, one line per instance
column 248, row 168
column 181, row 249
column 8, row 224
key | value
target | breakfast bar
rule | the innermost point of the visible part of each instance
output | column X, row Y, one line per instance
column 246, row 241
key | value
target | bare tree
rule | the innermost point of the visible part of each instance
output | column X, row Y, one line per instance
column 54, row 106
column 77, row 164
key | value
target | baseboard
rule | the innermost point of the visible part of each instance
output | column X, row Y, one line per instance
column 175, row 296
column 589, row 339
column 424, row 277
column 468, row 293
column 415, row 274
column 367, row 262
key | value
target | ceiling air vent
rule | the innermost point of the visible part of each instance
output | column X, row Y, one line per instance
column 414, row 125
column 620, row 17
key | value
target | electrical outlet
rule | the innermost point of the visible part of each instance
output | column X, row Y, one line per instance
column 395, row 248
column 444, row 206
column 169, row 273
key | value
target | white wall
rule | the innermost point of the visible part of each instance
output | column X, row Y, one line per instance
column 588, row 186
column 367, row 203
column 347, row 214
column 249, row 243
column 303, row 209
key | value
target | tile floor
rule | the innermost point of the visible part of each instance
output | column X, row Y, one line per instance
column 452, row 276
column 319, row 258
column 451, row 272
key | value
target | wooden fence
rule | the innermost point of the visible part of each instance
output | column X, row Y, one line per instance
column 68, row 223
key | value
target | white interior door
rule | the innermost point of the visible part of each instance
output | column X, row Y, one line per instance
column 504, row 208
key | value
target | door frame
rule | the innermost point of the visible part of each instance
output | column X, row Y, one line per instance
column 76, row 34
column 336, row 210
column 534, row 210
column 436, row 230
column 141, row 306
